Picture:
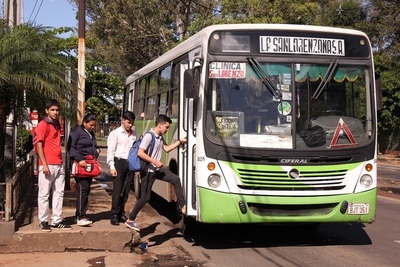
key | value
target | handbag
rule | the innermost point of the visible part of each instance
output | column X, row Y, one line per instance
column 91, row 170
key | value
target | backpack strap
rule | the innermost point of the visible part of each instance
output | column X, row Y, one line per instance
column 47, row 130
column 46, row 133
column 152, row 144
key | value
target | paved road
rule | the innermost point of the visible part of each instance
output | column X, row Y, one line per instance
column 338, row 244
column 389, row 171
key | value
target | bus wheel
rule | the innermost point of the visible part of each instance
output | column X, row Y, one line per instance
column 136, row 185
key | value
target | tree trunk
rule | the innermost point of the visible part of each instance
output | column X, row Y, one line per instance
column 4, row 111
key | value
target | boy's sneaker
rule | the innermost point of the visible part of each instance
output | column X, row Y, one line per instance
column 61, row 226
column 132, row 225
column 45, row 227
column 84, row 222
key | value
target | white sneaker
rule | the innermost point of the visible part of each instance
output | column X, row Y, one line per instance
column 132, row 225
column 84, row 222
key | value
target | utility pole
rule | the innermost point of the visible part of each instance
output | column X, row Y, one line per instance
column 13, row 13
column 67, row 128
column 13, row 16
column 81, row 60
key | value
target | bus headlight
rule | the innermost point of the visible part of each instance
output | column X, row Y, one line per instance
column 366, row 181
column 214, row 180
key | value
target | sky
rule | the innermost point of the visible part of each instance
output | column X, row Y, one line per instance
column 50, row 13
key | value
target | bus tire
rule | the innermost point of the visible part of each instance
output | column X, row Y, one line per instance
column 136, row 185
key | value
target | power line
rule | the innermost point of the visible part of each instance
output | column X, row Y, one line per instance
column 38, row 10
column 34, row 7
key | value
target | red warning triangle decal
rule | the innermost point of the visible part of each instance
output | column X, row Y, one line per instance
column 339, row 128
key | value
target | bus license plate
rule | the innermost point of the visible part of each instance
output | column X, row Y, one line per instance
column 358, row 208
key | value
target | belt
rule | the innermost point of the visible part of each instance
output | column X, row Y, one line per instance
column 119, row 158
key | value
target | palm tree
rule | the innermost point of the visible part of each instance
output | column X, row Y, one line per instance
column 31, row 69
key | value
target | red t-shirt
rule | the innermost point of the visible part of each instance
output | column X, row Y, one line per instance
column 49, row 133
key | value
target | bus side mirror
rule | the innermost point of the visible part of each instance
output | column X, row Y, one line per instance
column 192, row 82
column 378, row 88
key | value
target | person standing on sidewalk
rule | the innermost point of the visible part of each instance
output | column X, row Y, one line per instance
column 81, row 143
column 119, row 142
column 156, row 170
column 51, row 177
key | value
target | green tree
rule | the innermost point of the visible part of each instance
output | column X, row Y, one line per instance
column 345, row 13
column 264, row 11
column 102, row 85
column 127, row 34
column 382, row 26
column 389, row 122
column 31, row 69
column 105, row 86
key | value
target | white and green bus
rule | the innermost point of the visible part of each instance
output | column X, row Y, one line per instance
column 281, row 123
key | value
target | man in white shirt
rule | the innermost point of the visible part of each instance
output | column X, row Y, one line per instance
column 119, row 142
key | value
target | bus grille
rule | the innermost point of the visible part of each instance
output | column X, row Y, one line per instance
column 280, row 180
column 291, row 210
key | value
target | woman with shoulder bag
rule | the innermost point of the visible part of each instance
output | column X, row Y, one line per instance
column 82, row 143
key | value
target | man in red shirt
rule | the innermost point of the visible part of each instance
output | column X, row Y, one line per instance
column 51, row 175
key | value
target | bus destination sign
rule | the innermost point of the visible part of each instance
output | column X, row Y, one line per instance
column 227, row 70
column 302, row 45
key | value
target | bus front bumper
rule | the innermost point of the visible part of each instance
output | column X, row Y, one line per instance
column 218, row 207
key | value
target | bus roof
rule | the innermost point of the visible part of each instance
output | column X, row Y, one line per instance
column 201, row 38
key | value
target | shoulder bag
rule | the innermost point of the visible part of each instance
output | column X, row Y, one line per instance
column 91, row 170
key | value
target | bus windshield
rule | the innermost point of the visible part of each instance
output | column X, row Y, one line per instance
column 318, row 106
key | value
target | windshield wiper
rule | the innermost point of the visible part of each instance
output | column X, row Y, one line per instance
column 264, row 78
column 328, row 76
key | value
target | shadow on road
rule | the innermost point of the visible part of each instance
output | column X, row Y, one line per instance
column 223, row 236
column 213, row 236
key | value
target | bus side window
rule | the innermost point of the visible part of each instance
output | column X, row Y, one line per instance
column 163, row 108
column 174, row 101
column 192, row 82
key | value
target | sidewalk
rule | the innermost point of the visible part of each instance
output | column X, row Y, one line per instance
column 100, row 244
column 100, row 236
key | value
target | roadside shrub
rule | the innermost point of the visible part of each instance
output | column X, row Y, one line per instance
column 24, row 143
